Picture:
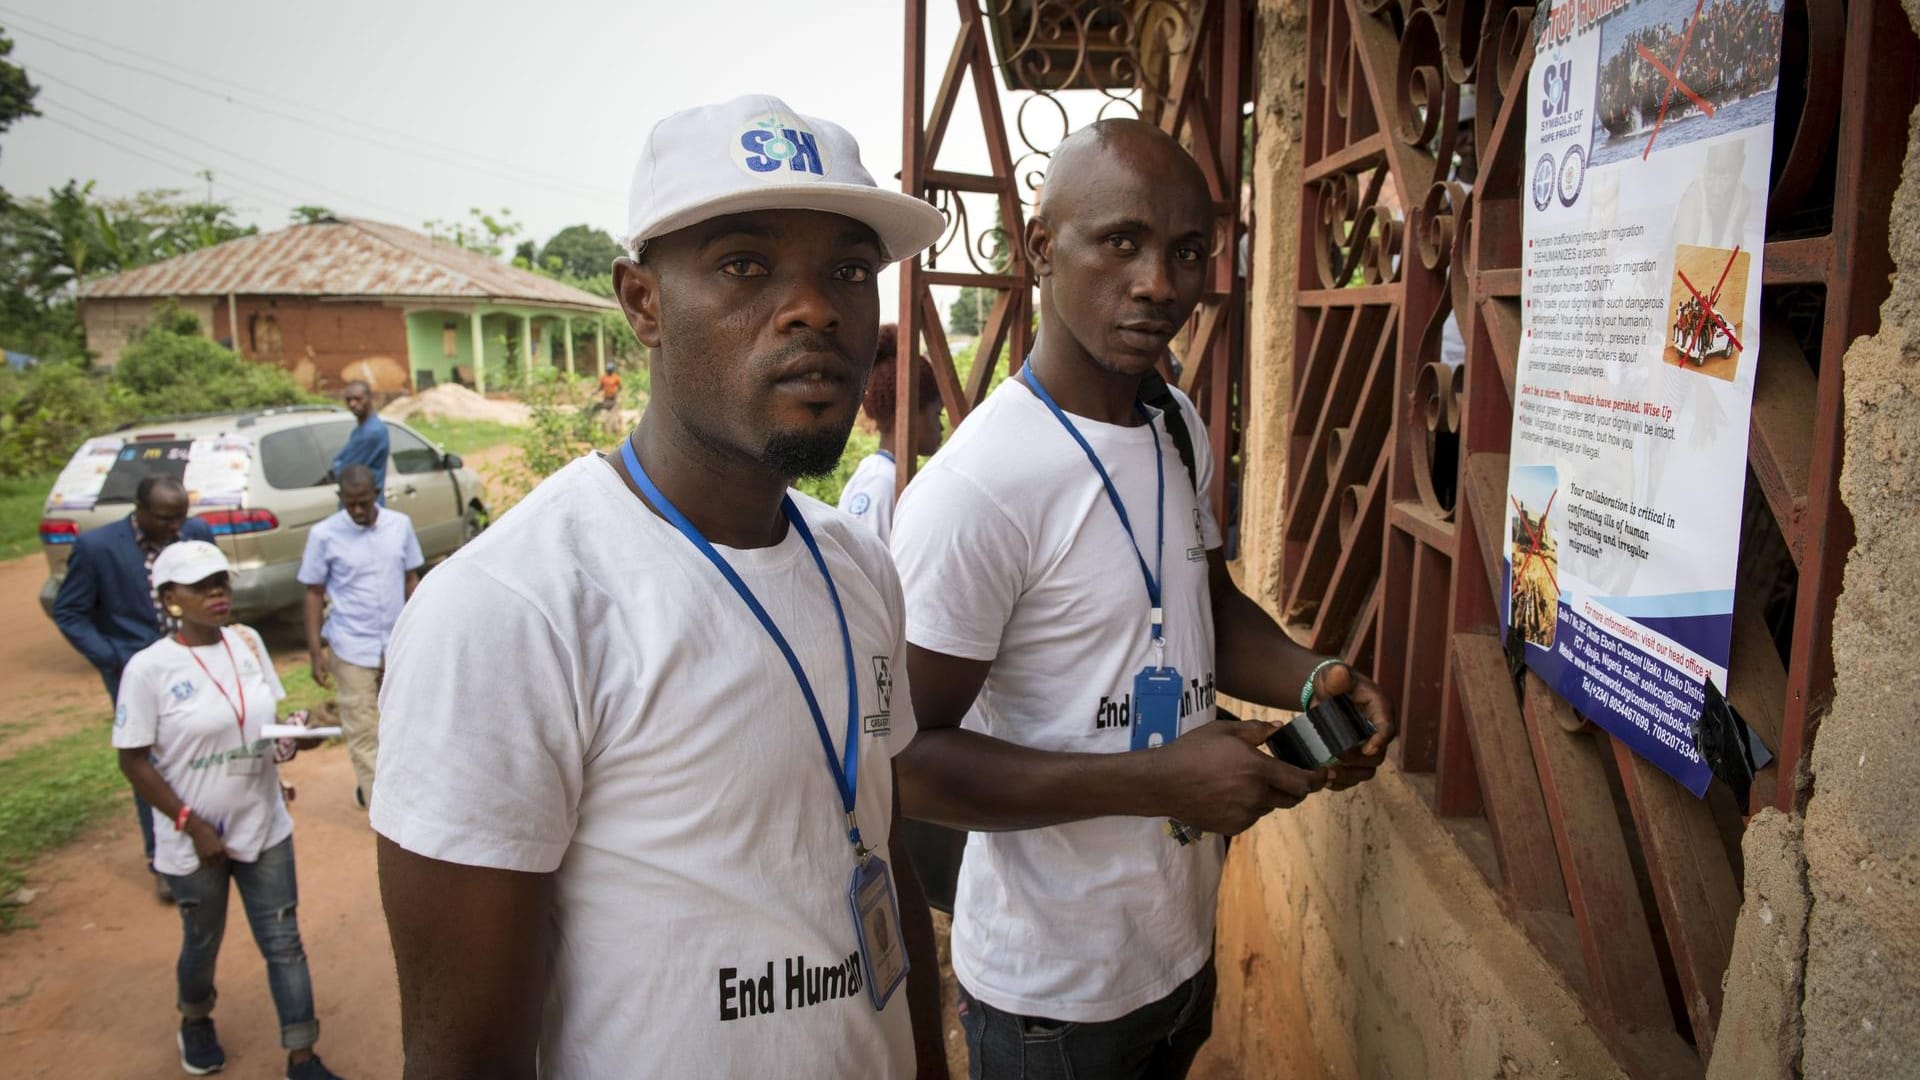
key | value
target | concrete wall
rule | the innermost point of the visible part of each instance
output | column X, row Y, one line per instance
column 1826, row 965
column 1357, row 936
column 108, row 323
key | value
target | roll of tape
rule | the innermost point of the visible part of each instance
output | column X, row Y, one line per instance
column 1321, row 735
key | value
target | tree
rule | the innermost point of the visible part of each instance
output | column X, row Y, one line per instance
column 16, row 91
column 968, row 315
column 310, row 215
column 581, row 251
column 488, row 234
column 49, row 245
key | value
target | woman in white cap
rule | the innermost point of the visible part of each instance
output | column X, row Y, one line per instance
column 188, row 728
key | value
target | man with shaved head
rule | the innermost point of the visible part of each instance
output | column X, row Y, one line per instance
column 360, row 568
column 368, row 443
column 1067, row 597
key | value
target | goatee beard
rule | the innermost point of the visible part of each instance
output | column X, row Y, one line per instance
column 799, row 456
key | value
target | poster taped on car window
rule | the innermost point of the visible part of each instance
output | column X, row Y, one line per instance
column 1649, row 144
column 78, row 485
column 217, row 470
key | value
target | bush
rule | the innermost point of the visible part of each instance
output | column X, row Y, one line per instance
column 48, row 410
column 564, row 425
column 170, row 367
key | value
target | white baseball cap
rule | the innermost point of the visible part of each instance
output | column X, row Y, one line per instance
column 755, row 153
column 188, row 562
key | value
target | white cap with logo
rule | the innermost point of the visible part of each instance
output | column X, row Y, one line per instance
column 188, row 562
column 755, row 153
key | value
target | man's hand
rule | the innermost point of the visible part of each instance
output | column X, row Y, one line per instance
column 207, row 842
column 321, row 677
column 1358, row 765
column 1216, row 778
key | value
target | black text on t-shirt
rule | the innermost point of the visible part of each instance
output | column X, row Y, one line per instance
column 802, row 985
column 1116, row 711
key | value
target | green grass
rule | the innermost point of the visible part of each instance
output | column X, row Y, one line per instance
column 465, row 436
column 49, row 794
column 302, row 691
column 21, row 500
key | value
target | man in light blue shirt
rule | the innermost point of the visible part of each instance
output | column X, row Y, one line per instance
column 368, row 444
column 360, row 566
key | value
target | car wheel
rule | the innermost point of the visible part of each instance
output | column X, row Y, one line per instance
column 474, row 523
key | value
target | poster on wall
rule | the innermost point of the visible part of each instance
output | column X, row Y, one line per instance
column 1649, row 144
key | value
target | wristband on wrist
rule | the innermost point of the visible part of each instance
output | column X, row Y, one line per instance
column 1306, row 691
column 180, row 819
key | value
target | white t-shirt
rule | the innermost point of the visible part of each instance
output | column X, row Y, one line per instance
column 174, row 704
column 1010, row 551
column 869, row 494
column 579, row 692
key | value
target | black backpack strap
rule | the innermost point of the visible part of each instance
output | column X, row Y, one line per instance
column 1155, row 392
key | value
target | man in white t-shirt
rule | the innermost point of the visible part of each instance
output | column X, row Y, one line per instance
column 1053, row 553
column 360, row 566
column 639, row 740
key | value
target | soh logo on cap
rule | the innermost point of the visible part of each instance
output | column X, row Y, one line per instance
column 772, row 146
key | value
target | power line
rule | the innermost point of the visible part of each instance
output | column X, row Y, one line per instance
column 411, row 143
column 170, row 129
column 171, row 167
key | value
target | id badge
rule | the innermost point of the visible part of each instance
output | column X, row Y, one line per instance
column 247, row 764
column 876, row 923
column 1156, row 707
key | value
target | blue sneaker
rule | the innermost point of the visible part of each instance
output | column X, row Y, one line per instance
column 310, row 1069
column 200, row 1051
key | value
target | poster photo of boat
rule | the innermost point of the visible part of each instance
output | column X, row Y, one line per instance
column 1673, row 72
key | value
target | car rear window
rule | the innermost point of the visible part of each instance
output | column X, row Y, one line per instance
column 300, row 457
column 139, row 460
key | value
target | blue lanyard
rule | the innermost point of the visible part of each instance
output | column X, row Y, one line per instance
column 884, row 454
column 1152, row 577
column 846, row 774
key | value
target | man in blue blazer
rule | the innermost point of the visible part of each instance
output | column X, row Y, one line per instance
column 106, row 606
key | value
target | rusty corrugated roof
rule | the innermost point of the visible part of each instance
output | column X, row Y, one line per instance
column 345, row 257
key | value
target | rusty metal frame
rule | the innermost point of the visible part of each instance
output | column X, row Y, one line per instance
column 1182, row 64
column 1394, row 526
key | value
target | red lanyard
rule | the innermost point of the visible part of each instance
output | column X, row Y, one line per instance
column 240, row 710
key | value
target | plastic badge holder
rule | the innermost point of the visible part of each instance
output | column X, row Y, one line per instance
column 1321, row 735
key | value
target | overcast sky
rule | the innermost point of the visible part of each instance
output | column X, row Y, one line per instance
column 413, row 110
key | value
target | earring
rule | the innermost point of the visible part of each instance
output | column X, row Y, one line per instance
column 176, row 610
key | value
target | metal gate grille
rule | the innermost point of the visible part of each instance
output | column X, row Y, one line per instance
column 1397, row 470
column 1184, row 66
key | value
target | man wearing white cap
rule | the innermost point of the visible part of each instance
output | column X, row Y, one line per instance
column 636, row 794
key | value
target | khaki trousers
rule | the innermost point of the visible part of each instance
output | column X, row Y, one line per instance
column 356, row 691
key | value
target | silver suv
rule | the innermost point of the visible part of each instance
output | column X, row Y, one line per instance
column 260, row 479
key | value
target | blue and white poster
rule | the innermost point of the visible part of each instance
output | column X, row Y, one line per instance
column 1649, row 144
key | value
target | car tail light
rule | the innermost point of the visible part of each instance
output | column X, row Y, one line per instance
column 58, row 531
column 239, row 522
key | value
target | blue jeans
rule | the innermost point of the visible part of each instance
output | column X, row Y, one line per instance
column 270, row 895
column 1154, row 1042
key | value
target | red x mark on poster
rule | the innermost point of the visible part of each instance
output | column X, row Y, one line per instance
column 1673, row 78
column 1708, row 304
column 1535, row 538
